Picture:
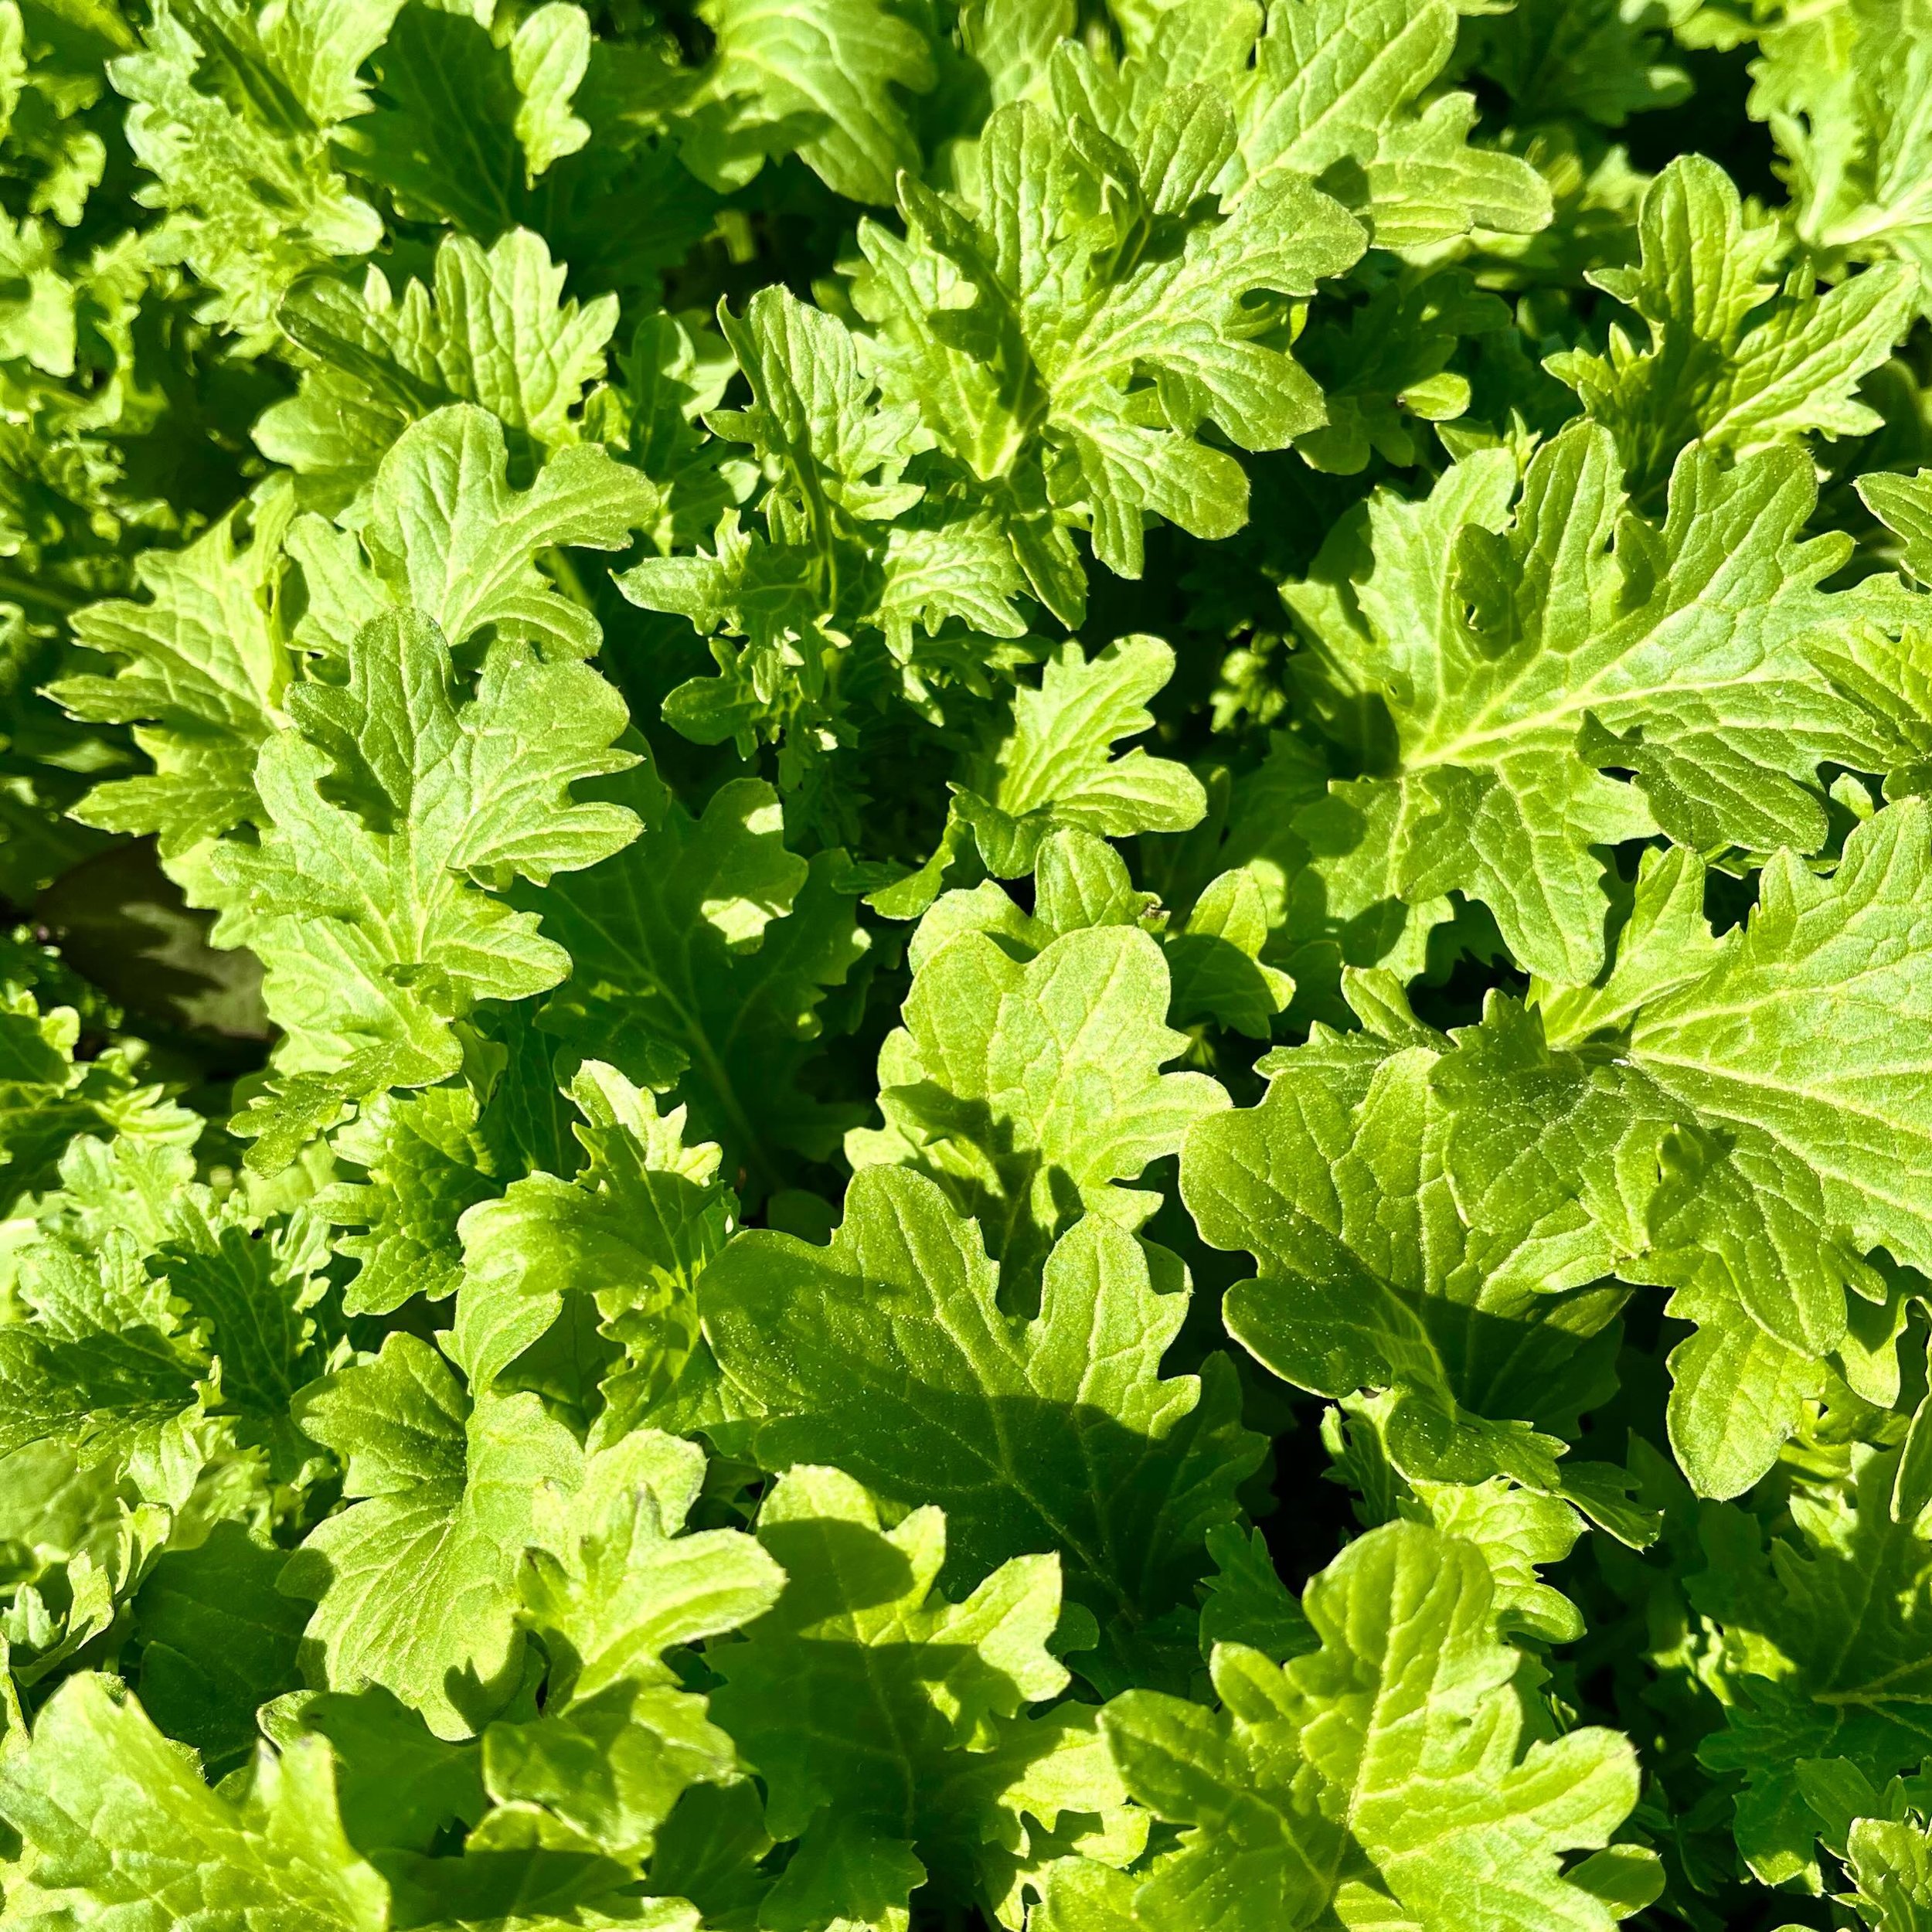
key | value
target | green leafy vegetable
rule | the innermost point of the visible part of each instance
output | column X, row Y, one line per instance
column 1500, row 665
column 413, row 1582
column 965, row 965
column 1056, row 1433
column 1386, row 1771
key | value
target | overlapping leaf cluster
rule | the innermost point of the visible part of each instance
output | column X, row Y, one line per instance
column 968, row 963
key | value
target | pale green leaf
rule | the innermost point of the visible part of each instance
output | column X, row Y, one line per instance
column 1387, row 1769
column 1216, row 958
column 885, row 1720
column 124, row 1833
column 1018, row 355
column 396, row 809
column 1031, row 1091
column 425, row 1159
column 1055, row 765
column 1058, row 1432
column 1399, row 1250
column 448, row 536
column 549, row 55
column 1734, row 362
column 1340, row 91
column 414, row 1581
column 634, row 1229
column 835, row 74
column 203, row 664
column 1891, row 1864
column 245, row 171
column 1847, row 91
column 496, row 330
column 618, row 1741
column 1515, row 657
column 1804, row 1030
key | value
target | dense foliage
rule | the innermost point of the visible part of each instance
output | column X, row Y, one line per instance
column 967, row 963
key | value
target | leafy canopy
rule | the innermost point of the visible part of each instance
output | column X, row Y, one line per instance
column 965, row 964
